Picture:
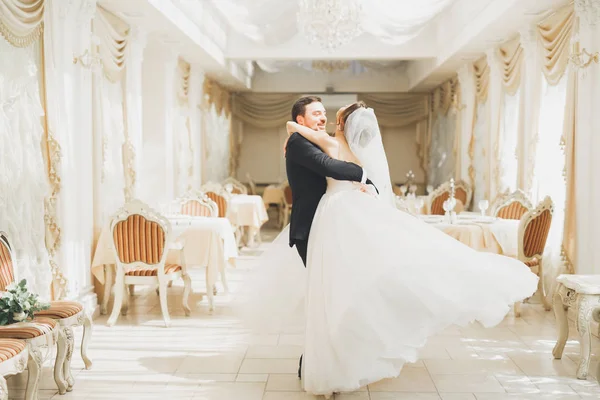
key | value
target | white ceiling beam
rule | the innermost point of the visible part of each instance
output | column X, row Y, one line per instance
column 364, row 47
column 299, row 80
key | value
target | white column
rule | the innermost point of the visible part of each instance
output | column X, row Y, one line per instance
column 466, row 110
column 133, row 100
column 495, row 106
column 196, row 115
column 587, row 141
column 531, row 80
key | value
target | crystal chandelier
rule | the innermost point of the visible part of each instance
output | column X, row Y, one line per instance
column 331, row 23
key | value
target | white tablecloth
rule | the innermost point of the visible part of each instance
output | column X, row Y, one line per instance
column 491, row 235
column 247, row 210
column 208, row 242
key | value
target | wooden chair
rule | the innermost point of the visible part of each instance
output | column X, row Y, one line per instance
column 198, row 204
column 237, row 186
column 534, row 228
column 462, row 194
column 141, row 240
column 252, row 184
column 512, row 205
column 13, row 360
column 49, row 327
column 221, row 198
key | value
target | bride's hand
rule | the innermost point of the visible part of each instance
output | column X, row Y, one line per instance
column 285, row 145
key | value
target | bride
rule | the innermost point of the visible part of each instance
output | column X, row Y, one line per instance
column 380, row 281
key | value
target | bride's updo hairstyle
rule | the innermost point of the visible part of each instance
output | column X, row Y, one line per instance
column 343, row 117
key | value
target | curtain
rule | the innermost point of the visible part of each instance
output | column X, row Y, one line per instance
column 184, row 151
column 397, row 109
column 268, row 110
column 510, row 58
column 23, row 174
column 21, row 21
column 555, row 35
column 548, row 174
column 217, row 144
column 481, row 130
column 442, row 150
column 467, row 108
column 110, row 137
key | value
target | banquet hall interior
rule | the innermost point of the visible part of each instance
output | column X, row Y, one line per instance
column 143, row 176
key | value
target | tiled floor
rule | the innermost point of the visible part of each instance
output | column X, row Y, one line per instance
column 204, row 357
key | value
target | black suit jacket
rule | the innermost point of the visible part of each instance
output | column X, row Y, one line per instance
column 307, row 167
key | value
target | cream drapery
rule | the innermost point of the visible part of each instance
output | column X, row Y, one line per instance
column 397, row 109
column 183, row 146
column 510, row 57
column 217, row 96
column 112, row 34
column 479, row 145
column 443, row 133
column 21, row 21
column 269, row 110
column 219, row 144
column 569, row 242
column 555, row 35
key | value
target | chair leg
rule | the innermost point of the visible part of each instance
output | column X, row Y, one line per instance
column 108, row 284
column 61, row 355
column 66, row 367
column 34, row 366
column 3, row 389
column 542, row 289
column 187, row 289
column 118, row 303
column 131, row 290
column 85, row 340
column 162, row 293
column 125, row 306
column 209, row 293
column 517, row 308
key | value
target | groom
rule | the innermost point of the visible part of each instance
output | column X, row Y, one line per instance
column 307, row 167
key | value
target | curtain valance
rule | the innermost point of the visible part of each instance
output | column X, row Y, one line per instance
column 510, row 56
column 555, row 35
column 21, row 21
column 398, row 109
column 112, row 34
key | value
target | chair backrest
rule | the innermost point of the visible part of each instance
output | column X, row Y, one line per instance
column 512, row 206
column 252, row 185
column 287, row 195
column 221, row 198
column 7, row 271
column 462, row 193
column 237, row 186
column 533, row 230
column 198, row 204
column 140, row 235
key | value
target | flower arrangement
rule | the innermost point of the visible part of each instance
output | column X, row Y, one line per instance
column 17, row 304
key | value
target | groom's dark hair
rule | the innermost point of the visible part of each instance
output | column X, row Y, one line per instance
column 299, row 107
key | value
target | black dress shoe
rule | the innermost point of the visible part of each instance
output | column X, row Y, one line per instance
column 300, row 369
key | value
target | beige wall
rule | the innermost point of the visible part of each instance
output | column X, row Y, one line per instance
column 262, row 157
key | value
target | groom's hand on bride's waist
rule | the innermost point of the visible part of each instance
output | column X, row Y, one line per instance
column 372, row 184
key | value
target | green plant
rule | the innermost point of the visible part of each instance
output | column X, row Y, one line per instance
column 17, row 304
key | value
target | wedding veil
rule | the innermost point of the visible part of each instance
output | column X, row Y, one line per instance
column 364, row 138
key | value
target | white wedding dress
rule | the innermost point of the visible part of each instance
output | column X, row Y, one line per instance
column 381, row 282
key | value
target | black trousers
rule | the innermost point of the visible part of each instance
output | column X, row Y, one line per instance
column 302, row 248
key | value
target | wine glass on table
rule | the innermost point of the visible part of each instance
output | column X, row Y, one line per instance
column 483, row 206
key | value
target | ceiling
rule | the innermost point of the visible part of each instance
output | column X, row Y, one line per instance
column 406, row 45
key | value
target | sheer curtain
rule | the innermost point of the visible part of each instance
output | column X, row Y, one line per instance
column 548, row 179
column 217, row 125
column 23, row 176
column 441, row 159
column 479, row 153
column 509, row 136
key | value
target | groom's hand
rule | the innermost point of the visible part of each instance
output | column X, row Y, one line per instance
column 369, row 182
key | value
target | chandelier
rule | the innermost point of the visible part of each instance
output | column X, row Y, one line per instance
column 331, row 23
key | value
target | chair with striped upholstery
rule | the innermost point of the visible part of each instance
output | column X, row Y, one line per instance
column 13, row 360
column 534, row 228
column 141, row 240
column 237, row 186
column 512, row 205
column 44, row 331
column 221, row 197
column 462, row 194
column 198, row 204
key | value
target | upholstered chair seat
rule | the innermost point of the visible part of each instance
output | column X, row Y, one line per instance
column 61, row 309
column 28, row 330
column 13, row 360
